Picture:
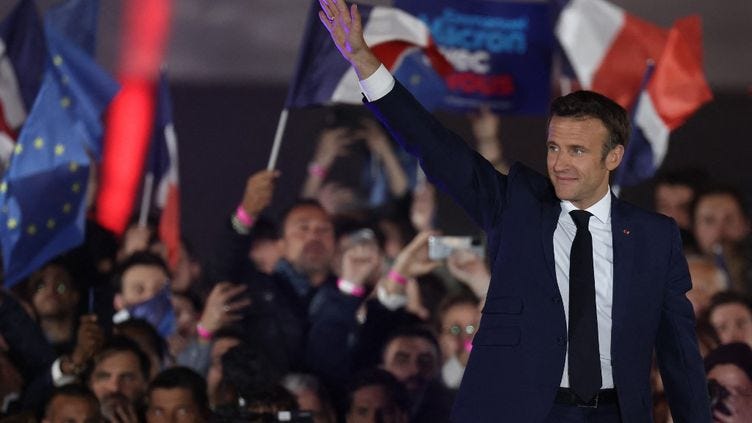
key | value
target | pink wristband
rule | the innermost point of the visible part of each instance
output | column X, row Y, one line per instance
column 243, row 216
column 350, row 288
column 203, row 332
column 317, row 170
column 393, row 275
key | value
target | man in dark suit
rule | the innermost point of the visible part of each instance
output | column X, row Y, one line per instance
column 584, row 286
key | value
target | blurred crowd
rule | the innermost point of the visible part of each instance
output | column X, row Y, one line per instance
column 350, row 306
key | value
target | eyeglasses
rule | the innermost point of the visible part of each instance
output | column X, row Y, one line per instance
column 456, row 330
column 60, row 287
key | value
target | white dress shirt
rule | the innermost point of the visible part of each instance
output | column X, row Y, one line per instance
column 603, row 270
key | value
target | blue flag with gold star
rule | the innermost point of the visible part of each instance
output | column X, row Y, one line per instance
column 43, row 193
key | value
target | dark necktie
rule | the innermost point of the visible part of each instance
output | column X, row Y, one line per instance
column 584, row 359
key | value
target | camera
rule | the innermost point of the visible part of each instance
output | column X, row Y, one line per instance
column 718, row 393
column 441, row 247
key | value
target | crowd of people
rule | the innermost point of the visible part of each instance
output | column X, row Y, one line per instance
column 333, row 311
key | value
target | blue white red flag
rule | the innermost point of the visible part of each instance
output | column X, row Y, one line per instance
column 22, row 57
column 670, row 95
column 401, row 41
column 608, row 48
column 162, row 163
column 43, row 193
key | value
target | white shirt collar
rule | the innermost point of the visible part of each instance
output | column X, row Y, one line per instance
column 601, row 209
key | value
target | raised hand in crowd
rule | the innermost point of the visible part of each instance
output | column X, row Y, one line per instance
column 470, row 268
column 89, row 339
column 118, row 409
column 332, row 144
column 423, row 207
column 224, row 306
column 136, row 238
column 739, row 405
column 361, row 259
column 380, row 147
column 259, row 190
column 411, row 262
column 485, row 126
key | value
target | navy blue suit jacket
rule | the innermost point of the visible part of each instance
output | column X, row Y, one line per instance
column 518, row 353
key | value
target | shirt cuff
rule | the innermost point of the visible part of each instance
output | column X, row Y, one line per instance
column 379, row 84
column 58, row 377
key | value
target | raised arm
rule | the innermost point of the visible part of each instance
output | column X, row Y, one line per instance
column 346, row 29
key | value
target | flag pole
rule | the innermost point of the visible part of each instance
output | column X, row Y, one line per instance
column 146, row 199
column 278, row 139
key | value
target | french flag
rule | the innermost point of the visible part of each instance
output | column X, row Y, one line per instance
column 674, row 91
column 401, row 41
column 162, row 164
column 23, row 53
column 608, row 48
column 12, row 110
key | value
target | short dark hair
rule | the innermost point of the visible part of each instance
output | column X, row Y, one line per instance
column 139, row 258
column 75, row 390
column 412, row 331
column 379, row 377
column 464, row 296
column 724, row 298
column 301, row 202
column 721, row 189
column 249, row 370
column 588, row 104
column 692, row 177
column 736, row 353
column 185, row 378
column 119, row 344
column 143, row 326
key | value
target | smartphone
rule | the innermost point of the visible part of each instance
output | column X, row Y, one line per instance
column 441, row 247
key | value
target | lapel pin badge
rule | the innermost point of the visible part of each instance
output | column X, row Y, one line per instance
column 626, row 231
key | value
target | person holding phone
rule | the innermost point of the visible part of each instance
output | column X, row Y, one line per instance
column 729, row 370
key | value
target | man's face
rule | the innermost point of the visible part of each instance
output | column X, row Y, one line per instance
column 736, row 381
column 718, row 220
column 371, row 404
column 173, row 405
column 674, row 201
column 733, row 323
column 458, row 326
column 412, row 360
column 575, row 159
column 118, row 373
column 308, row 239
column 140, row 283
column 54, row 292
column 72, row 409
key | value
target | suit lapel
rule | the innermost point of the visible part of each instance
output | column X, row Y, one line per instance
column 623, row 239
column 549, row 218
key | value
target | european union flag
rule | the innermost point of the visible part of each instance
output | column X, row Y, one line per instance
column 43, row 194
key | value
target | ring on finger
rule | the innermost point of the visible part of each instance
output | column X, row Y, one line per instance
column 226, row 308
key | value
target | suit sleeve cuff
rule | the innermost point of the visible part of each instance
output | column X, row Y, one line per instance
column 379, row 84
